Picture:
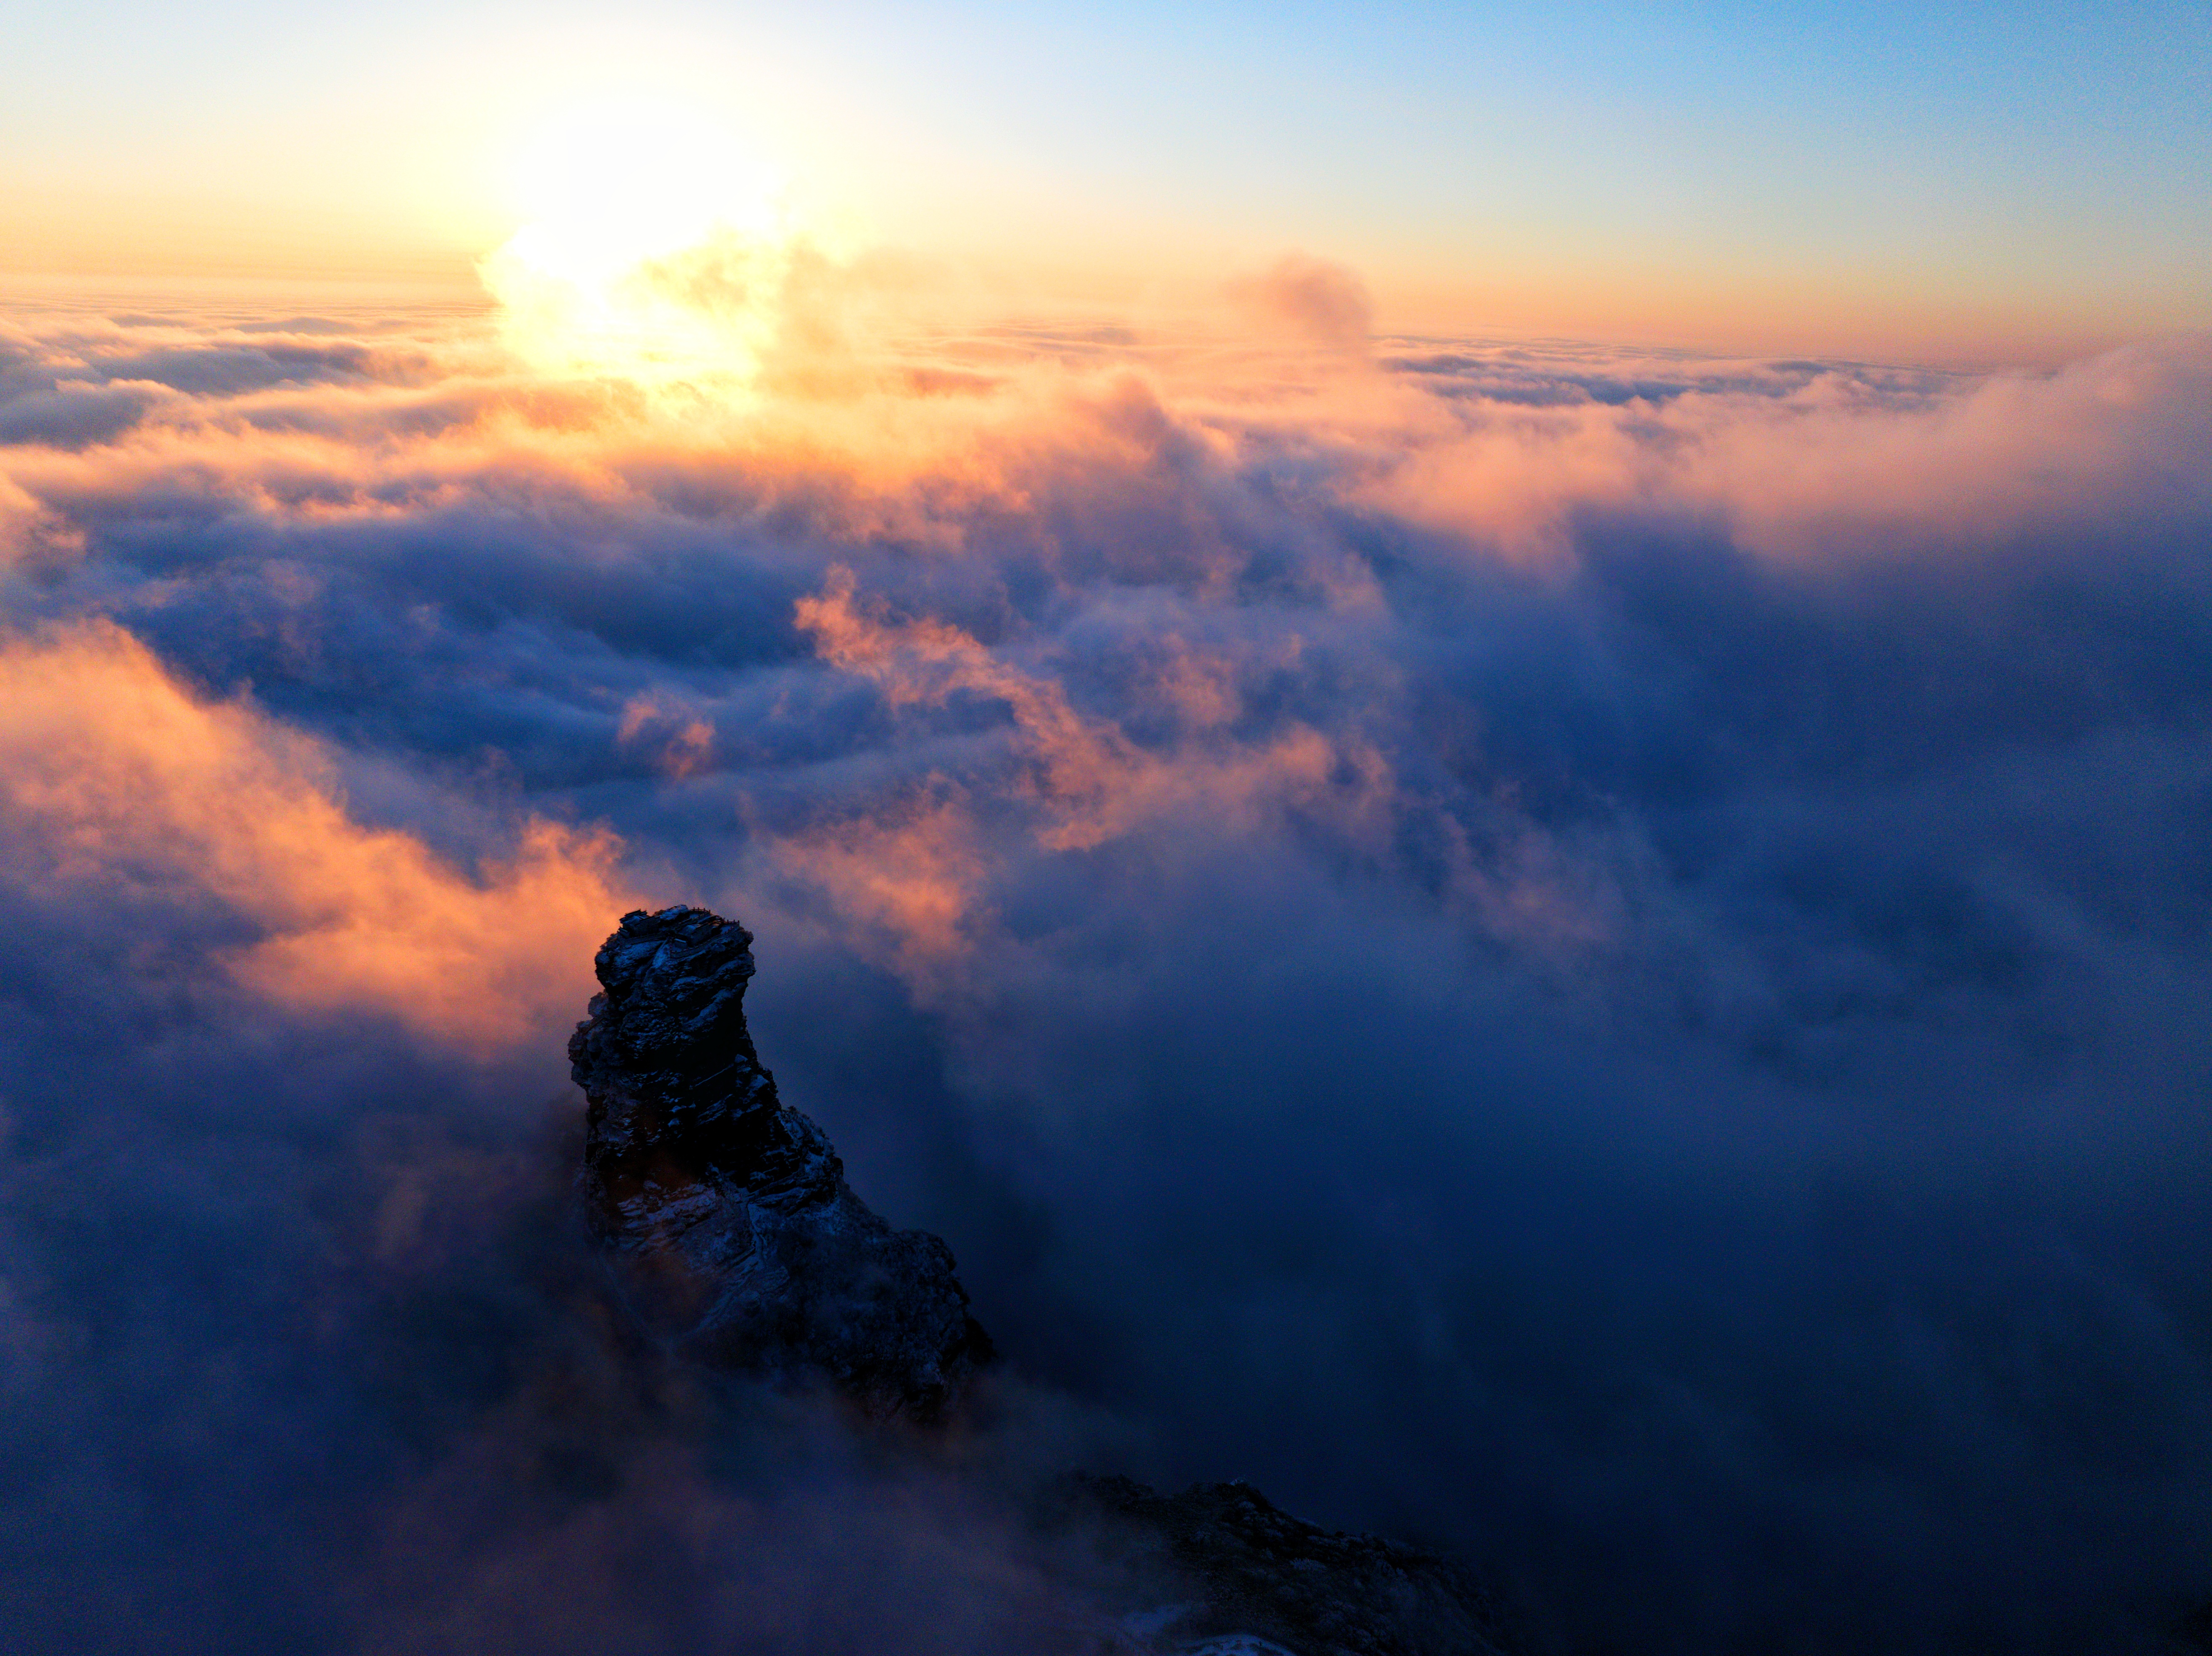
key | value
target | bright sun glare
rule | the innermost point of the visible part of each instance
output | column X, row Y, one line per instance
column 653, row 245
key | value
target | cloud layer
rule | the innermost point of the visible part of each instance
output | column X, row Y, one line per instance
column 1599, row 958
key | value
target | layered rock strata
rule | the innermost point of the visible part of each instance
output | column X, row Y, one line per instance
column 728, row 1226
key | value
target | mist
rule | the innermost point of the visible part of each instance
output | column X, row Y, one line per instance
column 1595, row 958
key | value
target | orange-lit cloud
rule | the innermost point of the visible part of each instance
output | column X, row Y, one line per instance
column 1310, row 297
column 1127, row 464
column 117, row 784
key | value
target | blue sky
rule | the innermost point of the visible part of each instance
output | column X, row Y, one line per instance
column 2053, row 160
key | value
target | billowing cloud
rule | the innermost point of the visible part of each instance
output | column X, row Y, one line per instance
column 1325, row 302
column 1598, row 956
column 119, row 785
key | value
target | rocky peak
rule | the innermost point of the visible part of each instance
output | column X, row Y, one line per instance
column 664, row 1056
column 731, row 1234
column 729, row 1229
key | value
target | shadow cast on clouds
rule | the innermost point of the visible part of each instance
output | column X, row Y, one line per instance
column 1597, row 958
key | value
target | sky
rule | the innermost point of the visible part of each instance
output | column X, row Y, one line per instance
column 1576, row 928
column 1956, row 184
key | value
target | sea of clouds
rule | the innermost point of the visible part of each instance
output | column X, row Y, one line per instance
column 1600, row 958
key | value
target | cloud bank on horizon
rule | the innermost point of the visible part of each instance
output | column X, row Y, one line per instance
column 1599, row 957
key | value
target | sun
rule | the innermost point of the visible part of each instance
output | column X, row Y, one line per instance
column 611, row 182
column 651, row 244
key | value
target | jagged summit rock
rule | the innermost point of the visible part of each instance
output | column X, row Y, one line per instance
column 732, row 1235
column 728, row 1225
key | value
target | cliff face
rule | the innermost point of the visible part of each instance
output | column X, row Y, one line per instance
column 728, row 1225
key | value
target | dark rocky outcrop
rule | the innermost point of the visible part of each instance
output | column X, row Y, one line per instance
column 734, row 1239
column 1219, row 1570
column 725, row 1216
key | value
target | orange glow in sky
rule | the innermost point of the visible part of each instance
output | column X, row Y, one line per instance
column 1966, row 186
column 651, row 243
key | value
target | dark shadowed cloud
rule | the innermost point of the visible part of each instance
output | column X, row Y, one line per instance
column 1600, row 959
